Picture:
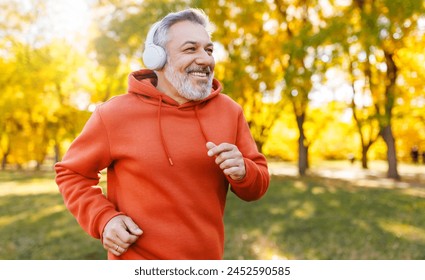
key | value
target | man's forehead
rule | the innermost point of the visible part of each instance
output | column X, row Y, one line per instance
column 187, row 31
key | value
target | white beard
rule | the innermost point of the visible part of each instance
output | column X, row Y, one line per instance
column 185, row 87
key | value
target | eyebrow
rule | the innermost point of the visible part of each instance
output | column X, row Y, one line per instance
column 196, row 43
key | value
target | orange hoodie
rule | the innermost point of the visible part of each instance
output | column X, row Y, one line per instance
column 158, row 170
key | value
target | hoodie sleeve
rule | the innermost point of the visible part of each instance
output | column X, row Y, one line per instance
column 78, row 175
column 256, row 181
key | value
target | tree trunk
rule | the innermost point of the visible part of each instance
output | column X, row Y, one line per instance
column 388, row 137
column 4, row 159
column 302, row 147
column 386, row 129
column 57, row 152
column 364, row 157
column 4, row 162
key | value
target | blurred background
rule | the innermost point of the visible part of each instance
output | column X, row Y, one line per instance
column 324, row 83
column 325, row 79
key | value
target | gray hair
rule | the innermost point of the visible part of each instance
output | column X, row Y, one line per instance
column 160, row 37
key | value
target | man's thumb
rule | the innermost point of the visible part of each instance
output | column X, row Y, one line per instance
column 132, row 227
column 210, row 145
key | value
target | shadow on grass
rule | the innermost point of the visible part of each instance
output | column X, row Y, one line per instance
column 315, row 218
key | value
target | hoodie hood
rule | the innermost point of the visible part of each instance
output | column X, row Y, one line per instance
column 143, row 83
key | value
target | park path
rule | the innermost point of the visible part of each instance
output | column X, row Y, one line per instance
column 412, row 176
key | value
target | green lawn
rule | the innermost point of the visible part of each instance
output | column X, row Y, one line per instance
column 34, row 223
column 318, row 218
column 310, row 218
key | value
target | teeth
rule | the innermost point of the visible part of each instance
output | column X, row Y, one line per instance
column 199, row 74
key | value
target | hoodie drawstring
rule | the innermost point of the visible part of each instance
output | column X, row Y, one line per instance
column 164, row 144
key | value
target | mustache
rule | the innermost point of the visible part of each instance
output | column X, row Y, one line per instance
column 205, row 69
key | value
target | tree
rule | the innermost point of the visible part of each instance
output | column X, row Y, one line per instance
column 303, row 29
column 364, row 114
column 387, row 23
column 41, row 78
column 270, row 47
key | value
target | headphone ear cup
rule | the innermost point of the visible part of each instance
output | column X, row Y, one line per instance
column 154, row 57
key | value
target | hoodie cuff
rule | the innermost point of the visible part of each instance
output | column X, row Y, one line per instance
column 102, row 220
column 250, row 176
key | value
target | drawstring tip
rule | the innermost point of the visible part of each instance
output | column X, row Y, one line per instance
column 170, row 161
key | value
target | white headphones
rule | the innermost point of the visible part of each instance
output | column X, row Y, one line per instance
column 154, row 56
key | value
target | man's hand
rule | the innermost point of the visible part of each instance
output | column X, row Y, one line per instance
column 119, row 233
column 229, row 158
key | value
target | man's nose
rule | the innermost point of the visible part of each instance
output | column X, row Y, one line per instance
column 205, row 58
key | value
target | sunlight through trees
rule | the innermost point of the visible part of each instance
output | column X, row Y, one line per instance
column 317, row 79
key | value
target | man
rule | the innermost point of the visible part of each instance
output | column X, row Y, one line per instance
column 171, row 146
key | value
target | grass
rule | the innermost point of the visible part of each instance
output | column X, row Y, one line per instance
column 318, row 218
column 34, row 223
column 309, row 218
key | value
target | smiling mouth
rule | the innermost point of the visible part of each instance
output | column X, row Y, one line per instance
column 202, row 73
column 199, row 74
